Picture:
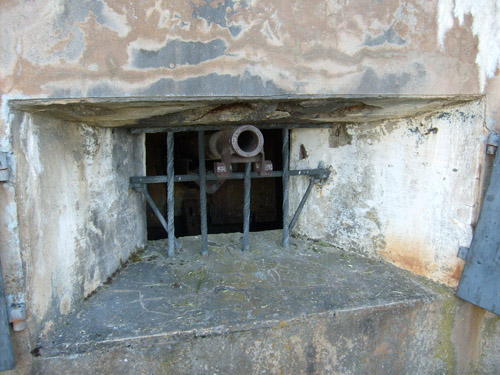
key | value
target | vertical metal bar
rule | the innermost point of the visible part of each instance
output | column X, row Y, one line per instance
column 170, row 194
column 6, row 351
column 203, row 192
column 285, row 178
column 246, row 207
column 301, row 204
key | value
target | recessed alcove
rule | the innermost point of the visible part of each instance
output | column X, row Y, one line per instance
column 80, row 210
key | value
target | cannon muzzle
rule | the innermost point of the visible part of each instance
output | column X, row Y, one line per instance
column 244, row 144
column 245, row 141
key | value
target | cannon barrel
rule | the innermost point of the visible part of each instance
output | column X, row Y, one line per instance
column 245, row 141
column 244, row 144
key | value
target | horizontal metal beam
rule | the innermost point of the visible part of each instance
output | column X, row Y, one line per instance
column 320, row 173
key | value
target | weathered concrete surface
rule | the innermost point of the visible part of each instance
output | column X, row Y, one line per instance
column 490, row 344
column 360, row 147
column 374, row 341
column 78, row 218
column 312, row 308
column 73, row 48
column 405, row 190
column 370, row 198
column 157, row 113
column 109, row 48
column 12, row 262
column 191, row 293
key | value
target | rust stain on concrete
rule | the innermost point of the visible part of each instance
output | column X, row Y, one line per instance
column 466, row 335
column 455, row 275
column 411, row 255
column 421, row 259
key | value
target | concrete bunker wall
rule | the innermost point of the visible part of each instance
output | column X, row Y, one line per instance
column 406, row 190
column 78, row 218
column 106, row 48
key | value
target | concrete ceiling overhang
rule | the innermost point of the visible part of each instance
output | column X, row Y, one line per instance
column 157, row 113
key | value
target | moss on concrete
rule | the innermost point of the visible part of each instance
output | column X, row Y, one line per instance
column 489, row 334
column 490, row 327
column 445, row 351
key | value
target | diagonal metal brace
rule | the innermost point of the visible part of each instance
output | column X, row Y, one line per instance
column 313, row 180
column 302, row 203
column 144, row 190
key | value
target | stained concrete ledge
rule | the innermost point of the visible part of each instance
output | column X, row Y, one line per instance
column 311, row 308
column 155, row 113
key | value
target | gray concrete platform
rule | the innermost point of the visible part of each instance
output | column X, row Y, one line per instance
column 157, row 309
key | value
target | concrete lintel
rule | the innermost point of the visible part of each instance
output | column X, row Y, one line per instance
column 160, row 112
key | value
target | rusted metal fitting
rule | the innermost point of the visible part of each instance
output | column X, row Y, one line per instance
column 244, row 144
column 264, row 169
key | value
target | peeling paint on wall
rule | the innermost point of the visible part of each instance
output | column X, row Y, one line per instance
column 218, row 12
column 485, row 26
column 70, row 48
column 371, row 83
column 210, row 84
column 388, row 36
column 177, row 52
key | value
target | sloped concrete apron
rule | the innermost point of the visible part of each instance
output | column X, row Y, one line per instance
column 311, row 308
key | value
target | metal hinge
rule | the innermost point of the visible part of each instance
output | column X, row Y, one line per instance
column 493, row 143
column 4, row 167
column 17, row 316
column 463, row 252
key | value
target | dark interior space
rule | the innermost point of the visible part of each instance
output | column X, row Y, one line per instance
column 224, row 200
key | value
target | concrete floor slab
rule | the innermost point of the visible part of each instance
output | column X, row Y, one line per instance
column 191, row 295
